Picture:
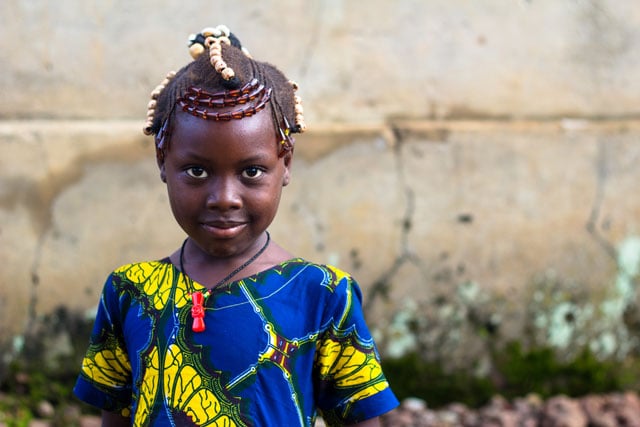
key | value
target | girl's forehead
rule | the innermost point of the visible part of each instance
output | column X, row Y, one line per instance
column 247, row 135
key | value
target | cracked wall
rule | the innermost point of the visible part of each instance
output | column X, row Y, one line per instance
column 454, row 147
column 414, row 210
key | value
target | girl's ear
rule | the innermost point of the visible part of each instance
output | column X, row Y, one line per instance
column 160, row 161
column 288, row 159
column 163, row 174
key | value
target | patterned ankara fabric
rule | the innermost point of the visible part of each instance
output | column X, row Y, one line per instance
column 278, row 346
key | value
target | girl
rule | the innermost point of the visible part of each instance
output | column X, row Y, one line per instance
column 231, row 329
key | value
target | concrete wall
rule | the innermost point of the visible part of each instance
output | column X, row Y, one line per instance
column 451, row 143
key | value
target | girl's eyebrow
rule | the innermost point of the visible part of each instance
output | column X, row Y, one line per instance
column 255, row 158
column 190, row 156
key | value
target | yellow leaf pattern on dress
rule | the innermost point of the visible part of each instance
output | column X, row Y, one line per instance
column 191, row 393
column 156, row 280
column 187, row 389
column 149, row 388
column 347, row 365
column 109, row 366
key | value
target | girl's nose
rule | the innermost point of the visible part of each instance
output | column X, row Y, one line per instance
column 224, row 193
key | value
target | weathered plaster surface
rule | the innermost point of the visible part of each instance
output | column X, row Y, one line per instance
column 471, row 163
column 356, row 62
column 417, row 211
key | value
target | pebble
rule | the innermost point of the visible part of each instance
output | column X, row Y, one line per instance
column 608, row 410
column 45, row 409
column 602, row 410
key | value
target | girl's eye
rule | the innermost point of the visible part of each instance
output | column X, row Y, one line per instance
column 252, row 172
column 197, row 172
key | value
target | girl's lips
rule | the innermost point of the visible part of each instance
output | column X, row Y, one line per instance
column 223, row 230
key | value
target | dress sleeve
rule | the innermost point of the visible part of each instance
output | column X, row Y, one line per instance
column 105, row 378
column 350, row 384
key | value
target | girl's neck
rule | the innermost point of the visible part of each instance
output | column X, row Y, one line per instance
column 214, row 272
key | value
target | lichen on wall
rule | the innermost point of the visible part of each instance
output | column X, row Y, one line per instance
column 462, row 329
column 619, row 332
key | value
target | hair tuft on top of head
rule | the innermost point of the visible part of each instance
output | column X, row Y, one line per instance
column 227, row 76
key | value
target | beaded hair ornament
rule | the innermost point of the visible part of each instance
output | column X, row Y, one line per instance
column 249, row 99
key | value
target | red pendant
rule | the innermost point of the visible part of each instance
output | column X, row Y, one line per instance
column 197, row 312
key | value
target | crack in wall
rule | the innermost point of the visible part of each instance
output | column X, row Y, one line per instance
column 35, row 282
column 380, row 287
column 602, row 172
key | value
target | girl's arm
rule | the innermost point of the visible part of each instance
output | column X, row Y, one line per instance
column 373, row 422
column 111, row 419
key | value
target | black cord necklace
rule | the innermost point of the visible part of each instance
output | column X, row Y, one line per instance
column 234, row 272
column 198, row 298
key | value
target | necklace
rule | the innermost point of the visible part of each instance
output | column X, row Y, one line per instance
column 198, row 298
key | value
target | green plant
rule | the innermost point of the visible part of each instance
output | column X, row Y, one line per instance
column 516, row 372
column 411, row 376
column 14, row 413
column 44, row 369
column 540, row 370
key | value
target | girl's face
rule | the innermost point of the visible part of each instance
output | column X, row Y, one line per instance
column 224, row 180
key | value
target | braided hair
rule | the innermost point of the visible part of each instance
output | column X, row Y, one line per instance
column 225, row 77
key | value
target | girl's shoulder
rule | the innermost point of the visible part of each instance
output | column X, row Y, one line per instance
column 326, row 276
column 307, row 267
column 142, row 274
column 143, row 269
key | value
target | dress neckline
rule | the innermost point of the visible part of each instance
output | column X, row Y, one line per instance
column 197, row 286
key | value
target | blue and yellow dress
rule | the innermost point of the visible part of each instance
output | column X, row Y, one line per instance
column 278, row 347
